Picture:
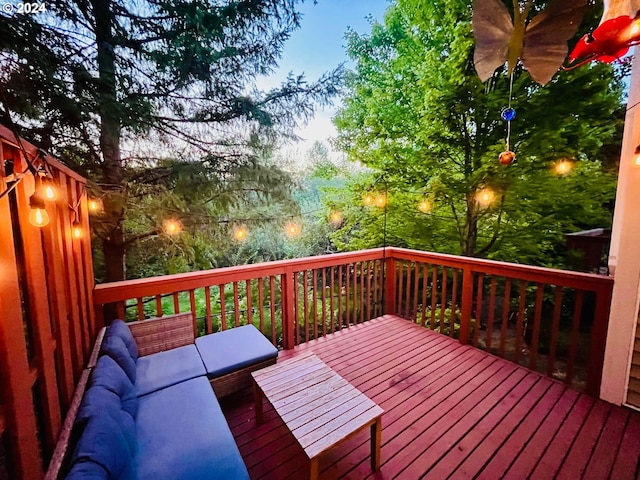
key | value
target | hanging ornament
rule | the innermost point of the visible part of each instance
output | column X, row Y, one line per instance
column 541, row 44
column 508, row 114
column 507, row 157
column 619, row 29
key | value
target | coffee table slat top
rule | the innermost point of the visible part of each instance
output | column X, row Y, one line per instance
column 318, row 406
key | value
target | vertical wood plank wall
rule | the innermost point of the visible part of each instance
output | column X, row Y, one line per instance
column 46, row 313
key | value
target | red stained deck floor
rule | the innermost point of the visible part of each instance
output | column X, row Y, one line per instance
column 451, row 411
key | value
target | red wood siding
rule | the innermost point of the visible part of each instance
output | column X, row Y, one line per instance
column 451, row 411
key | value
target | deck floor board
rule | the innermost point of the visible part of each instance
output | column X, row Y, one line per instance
column 451, row 411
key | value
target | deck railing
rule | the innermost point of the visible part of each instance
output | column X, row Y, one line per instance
column 552, row 321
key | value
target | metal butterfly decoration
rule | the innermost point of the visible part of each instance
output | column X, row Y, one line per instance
column 540, row 44
column 619, row 29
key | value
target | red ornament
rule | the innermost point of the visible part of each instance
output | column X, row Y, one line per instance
column 507, row 157
column 610, row 41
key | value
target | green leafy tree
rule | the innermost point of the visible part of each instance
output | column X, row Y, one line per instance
column 417, row 114
column 130, row 93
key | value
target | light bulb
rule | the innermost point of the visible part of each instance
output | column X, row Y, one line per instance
column 172, row 227
column 76, row 229
column 240, row 233
column 292, row 229
column 49, row 190
column 335, row 217
column 381, row 200
column 424, row 206
column 563, row 167
column 368, row 199
column 38, row 216
column 485, row 196
column 95, row 205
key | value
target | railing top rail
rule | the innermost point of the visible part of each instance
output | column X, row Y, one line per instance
column 144, row 287
column 565, row 278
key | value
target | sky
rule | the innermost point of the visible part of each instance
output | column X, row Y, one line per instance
column 318, row 47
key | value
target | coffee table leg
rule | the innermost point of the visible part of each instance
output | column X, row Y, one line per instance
column 314, row 469
column 376, row 439
column 257, row 398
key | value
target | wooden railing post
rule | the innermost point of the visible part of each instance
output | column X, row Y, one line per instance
column 389, row 292
column 598, row 340
column 288, row 310
column 467, row 301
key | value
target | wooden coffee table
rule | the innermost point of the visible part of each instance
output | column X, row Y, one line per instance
column 318, row 406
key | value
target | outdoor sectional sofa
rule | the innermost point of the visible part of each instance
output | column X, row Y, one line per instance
column 145, row 407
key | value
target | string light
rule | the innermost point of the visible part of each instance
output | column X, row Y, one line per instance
column 172, row 227
column 563, row 167
column 240, row 233
column 38, row 216
column 292, row 229
column 636, row 156
column 485, row 196
column 381, row 200
column 95, row 205
column 424, row 206
column 335, row 217
column 76, row 229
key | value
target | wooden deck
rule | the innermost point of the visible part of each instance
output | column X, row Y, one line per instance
column 451, row 411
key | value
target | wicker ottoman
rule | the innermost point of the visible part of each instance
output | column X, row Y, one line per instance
column 231, row 355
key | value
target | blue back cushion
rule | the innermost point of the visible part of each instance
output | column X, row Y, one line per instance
column 103, row 442
column 97, row 401
column 108, row 374
column 114, row 346
column 122, row 330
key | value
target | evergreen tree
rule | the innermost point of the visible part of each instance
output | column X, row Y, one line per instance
column 131, row 93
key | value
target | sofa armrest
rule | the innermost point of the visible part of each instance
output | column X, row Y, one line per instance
column 64, row 445
column 163, row 333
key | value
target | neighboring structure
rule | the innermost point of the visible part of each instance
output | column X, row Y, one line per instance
column 593, row 248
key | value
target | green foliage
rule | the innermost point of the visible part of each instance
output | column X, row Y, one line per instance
column 417, row 114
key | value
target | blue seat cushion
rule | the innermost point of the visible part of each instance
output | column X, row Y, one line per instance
column 102, row 442
column 182, row 433
column 114, row 347
column 97, row 401
column 167, row 368
column 122, row 330
column 108, row 374
column 233, row 349
column 87, row 470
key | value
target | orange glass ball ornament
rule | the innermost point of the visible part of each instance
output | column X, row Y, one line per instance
column 507, row 157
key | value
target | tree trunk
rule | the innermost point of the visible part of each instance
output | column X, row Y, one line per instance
column 110, row 129
column 471, row 227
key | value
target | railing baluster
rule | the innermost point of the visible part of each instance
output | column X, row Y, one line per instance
column 425, row 287
column 520, row 321
column 249, row 303
column 176, row 303
column 324, row 302
column 416, row 276
column 407, row 300
column 555, row 326
column 332, row 290
column 296, row 309
column 314, row 279
column 347, row 306
column 120, row 310
column 573, row 342
column 400, row 283
column 305, row 299
column 506, row 307
column 236, row 304
column 443, row 297
column 370, row 273
column 361, row 292
column 434, row 297
column 492, row 312
column 261, row 303
column 272, row 308
column 159, row 306
column 140, row 308
column 340, row 297
column 223, row 308
column 194, row 313
column 537, row 318
column 454, row 303
column 479, row 298
column 354, row 278
column 377, row 270
column 208, row 326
